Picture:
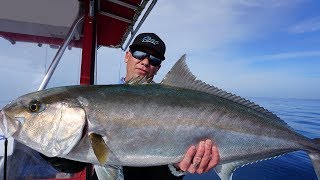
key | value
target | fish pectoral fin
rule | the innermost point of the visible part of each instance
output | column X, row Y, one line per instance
column 225, row 171
column 315, row 159
column 99, row 147
column 104, row 172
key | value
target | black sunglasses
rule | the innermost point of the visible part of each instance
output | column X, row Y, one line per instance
column 142, row 55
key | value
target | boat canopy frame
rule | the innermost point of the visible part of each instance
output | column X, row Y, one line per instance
column 87, row 69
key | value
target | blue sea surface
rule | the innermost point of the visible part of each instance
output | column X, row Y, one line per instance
column 302, row 115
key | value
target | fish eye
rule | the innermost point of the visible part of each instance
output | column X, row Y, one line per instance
column 34, row 106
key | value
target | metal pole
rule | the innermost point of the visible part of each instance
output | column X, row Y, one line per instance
column 124, row 4
column 60, row 52
column 89, row 44
column 153, row 3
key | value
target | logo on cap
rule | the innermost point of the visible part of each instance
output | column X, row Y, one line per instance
column 150, row 40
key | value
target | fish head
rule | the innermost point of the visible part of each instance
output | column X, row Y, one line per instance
column 49, row 124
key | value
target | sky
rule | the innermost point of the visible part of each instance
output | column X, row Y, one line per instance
column 252, row 48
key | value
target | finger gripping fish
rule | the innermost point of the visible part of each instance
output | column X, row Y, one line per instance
column 150, row 124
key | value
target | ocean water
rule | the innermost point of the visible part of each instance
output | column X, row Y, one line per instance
column 303, row 116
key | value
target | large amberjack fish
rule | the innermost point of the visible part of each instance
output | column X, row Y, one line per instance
column 150, row 124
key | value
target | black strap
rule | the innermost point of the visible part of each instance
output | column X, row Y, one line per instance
column 5, row 159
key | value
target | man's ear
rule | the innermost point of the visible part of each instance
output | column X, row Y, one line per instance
column 127, row 56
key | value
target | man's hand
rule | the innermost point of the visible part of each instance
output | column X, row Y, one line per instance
column 201, row 159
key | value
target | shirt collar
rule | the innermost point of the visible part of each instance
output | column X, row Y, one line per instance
column 122, row 80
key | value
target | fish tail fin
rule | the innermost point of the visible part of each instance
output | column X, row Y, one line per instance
column 315, row 158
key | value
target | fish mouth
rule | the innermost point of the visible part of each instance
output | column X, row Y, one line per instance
column 8, row 125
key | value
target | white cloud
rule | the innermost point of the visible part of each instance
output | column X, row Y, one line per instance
column 24, row 65
column 270, row 3
column 111, row 65
column 188, row 26
column 306, row 26
column 15, row 82
column 304, row 55
column 239, row 77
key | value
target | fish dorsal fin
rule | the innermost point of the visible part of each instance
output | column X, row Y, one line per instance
column 181, row 76
column 139, row 80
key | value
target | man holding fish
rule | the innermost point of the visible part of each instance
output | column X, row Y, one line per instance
column 144, row 60
column 142, row 124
